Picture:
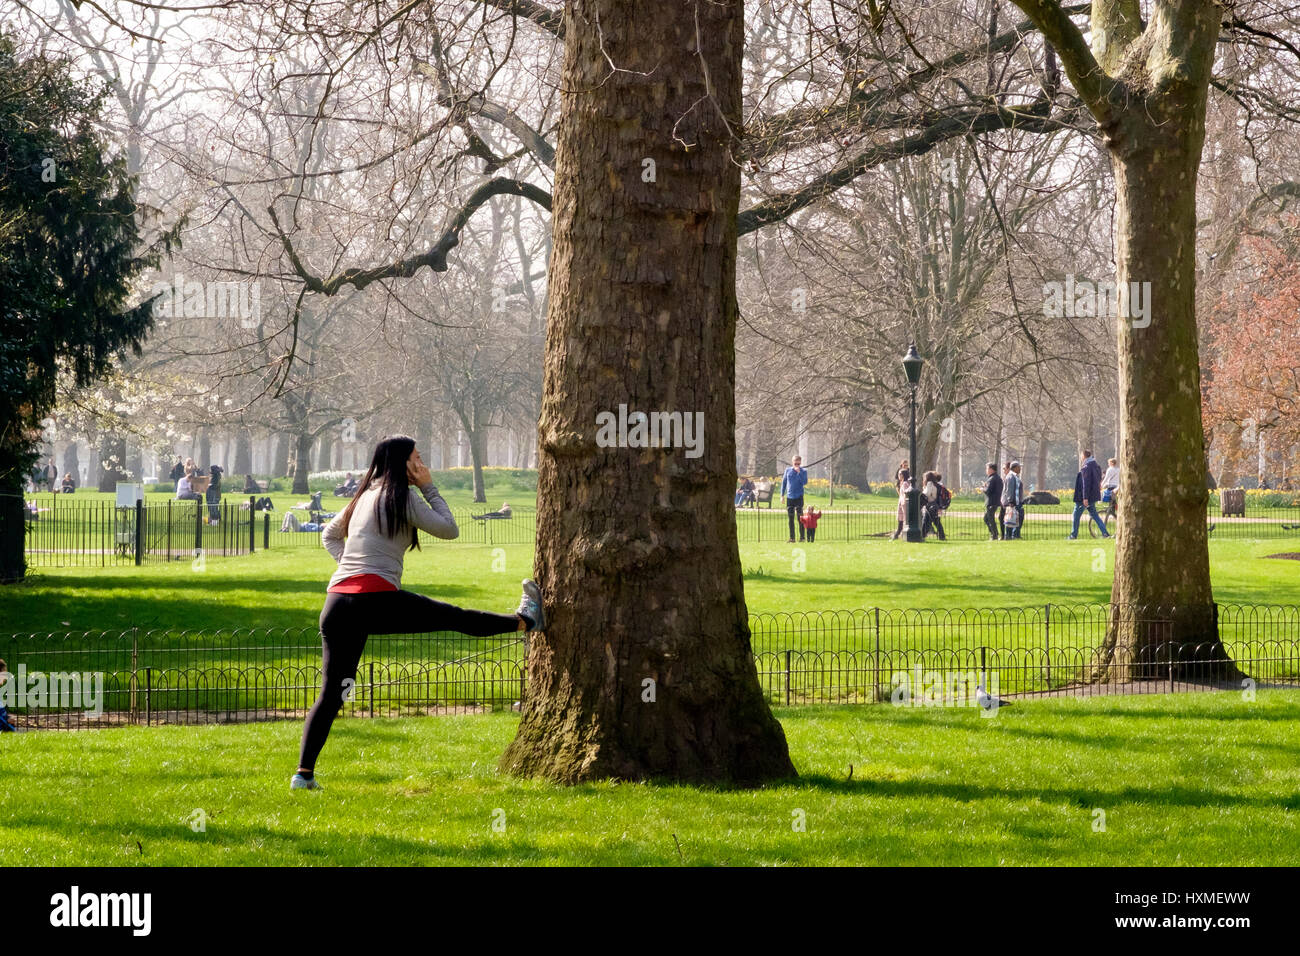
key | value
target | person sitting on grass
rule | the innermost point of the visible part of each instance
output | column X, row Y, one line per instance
column 69, row 484
column 505, row 512
column 185, row 488
column 369, row 540
column 809, row 521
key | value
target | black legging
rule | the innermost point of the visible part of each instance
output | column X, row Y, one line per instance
column 345, row 623
column 993, row 519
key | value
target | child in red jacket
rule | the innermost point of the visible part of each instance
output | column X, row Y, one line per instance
column 809, row 520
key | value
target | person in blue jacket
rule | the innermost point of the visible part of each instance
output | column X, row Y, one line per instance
column 792, row 485
column 1087, row 492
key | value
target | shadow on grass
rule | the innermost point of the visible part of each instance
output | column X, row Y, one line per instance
column 1173, row 796
column 177, row 603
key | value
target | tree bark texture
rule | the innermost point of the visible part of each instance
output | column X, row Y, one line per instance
column 645, row 669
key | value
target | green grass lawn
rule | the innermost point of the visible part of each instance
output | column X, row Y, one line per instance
column 1203, row 779
column 285, row 587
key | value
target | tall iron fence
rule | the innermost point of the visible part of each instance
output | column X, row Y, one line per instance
column 944, row 657
column 72, row 533
column 874, row 517
column 62, row 531
column 475, row 528
column 97, row 533
column 1058, row 649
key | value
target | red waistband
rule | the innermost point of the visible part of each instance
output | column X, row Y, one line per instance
column 363, row 584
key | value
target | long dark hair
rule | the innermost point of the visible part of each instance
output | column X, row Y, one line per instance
column 388, row 467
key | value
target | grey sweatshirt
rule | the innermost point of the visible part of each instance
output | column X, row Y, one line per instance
column 368, row 550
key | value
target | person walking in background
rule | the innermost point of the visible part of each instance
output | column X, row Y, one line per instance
column 1110, row 480
column 904, row 489
column 993, row 501
column 1110, row 488
column 1087, row 492
column 933, row 490
column 214, row 495
column 792, row 485
column 898, row 484
column 1013, row 496
column 809, row 521
column 51, row 475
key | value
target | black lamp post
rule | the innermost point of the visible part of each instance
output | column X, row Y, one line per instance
column 912, row 363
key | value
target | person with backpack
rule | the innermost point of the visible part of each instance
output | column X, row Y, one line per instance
column 1013, row 507
column 937, row 499
column 1087, row 492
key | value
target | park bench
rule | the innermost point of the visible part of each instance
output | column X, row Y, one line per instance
column 763, row 491
column 1232, row 501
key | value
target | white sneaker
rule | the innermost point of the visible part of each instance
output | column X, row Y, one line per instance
column 299, row 782
column 530, row 605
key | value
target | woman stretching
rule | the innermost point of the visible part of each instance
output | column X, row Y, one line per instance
column 369, row 539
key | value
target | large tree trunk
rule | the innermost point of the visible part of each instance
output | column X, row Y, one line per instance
column 1147, row 84
column 853, row 461
column 927, row 445
column 72, row 463
column 1040, row 479
column 243, row 452
column 324, row 451
column 301, row 465
column 1161, row 556
column 111, row 466
column 478, row 453
column 424, row 432
column 280, row 465
column 645, row 669
column 13, row 532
